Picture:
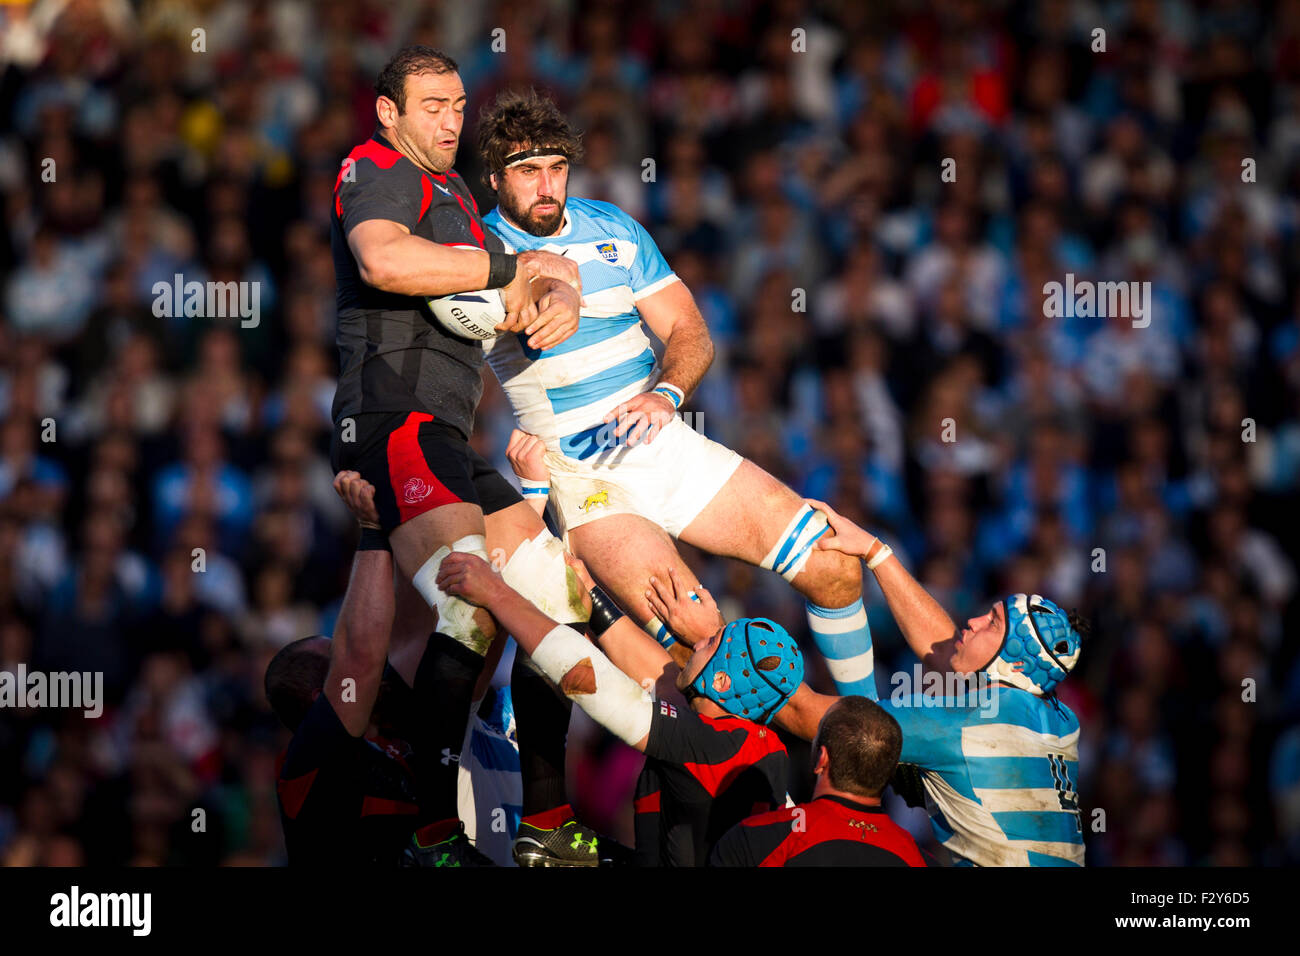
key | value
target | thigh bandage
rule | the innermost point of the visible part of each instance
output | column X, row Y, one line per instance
column 794, row 547
column 455, row 617
column 538, row 571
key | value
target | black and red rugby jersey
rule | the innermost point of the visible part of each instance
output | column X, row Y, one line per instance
column 708, row 774
column 829, row 831
column 345, row 799
column 393, row 356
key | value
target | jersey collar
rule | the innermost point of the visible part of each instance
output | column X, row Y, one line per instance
column 853, row 804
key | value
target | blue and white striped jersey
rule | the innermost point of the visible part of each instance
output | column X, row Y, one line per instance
column 1000, row 785
column 561, row 394
column 1001, row 773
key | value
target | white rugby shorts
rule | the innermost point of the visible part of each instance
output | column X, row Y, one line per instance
column 669, row 481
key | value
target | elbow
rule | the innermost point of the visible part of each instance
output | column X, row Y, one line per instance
column 361, row 655
column 373, row 274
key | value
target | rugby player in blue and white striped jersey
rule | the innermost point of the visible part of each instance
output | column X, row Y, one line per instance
column 998, row 764
column 624, row 472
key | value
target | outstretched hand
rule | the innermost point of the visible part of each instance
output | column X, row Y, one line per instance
column 689, row 612
column 848, row 537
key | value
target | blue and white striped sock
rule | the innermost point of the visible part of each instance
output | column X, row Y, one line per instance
column 843, row 637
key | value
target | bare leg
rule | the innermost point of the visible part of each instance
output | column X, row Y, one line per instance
column 747, row 518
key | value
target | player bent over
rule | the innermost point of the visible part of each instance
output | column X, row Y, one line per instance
column 625, row 474
column 855, row 753
column 997, row 769
column 704, row 729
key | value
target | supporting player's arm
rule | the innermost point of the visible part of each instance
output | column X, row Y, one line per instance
column 923, row 621
column 583, row 673
column 390, row 258
column 674, row 318
column 360, row 645
column 527, row 455
column 631, row 649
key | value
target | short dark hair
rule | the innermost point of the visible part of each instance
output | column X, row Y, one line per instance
column 515, row 120
column 408, row 61
column 294, row 673
column 863, row 742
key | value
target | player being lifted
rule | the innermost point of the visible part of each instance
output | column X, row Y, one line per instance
column 404, row 228
column 626, row 474
column 997, row 768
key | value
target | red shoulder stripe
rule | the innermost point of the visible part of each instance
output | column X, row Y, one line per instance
column 382, row 156
column 426, row 189
column 293, row 792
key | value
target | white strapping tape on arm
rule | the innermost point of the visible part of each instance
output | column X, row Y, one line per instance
column 455, row 617
column 618, row 705
column 538, row 571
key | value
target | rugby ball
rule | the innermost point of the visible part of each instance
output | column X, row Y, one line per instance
column 471, row 315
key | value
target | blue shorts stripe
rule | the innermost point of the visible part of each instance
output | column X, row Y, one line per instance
column 589, row 441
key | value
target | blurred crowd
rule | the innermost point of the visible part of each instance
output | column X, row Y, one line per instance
column 166, row 515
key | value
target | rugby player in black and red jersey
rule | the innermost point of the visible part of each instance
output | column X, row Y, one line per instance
column 361, row 779
column 855, row 753
column 405, row 228
column 704, row 731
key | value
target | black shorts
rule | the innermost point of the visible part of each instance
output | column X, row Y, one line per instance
column 417, row 464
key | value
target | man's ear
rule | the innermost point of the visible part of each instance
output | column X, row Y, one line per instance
column 722, row 682
column 492, row 179
column 316, row 692
column 823, row 761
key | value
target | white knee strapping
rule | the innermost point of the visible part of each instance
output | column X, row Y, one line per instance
column 538, row 571
column 617, row 704
column 794, row 547
column 455, row 617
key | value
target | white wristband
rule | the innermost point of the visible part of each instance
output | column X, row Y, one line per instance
column 533, row 488
column 880, row 557
column 675, row 394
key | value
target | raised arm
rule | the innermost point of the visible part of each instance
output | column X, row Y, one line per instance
column 360, row 645
column 527, row 455
column 924, row 623
column 632, row 650
column 584, row 674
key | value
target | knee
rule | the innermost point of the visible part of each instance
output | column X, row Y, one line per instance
column 831, row 579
